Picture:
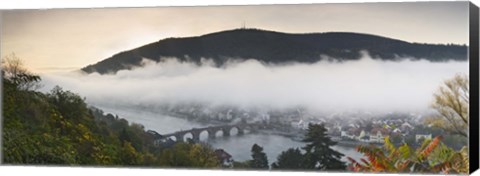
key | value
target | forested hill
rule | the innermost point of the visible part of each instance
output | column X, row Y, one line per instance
column 276, row 47
column 57, row 128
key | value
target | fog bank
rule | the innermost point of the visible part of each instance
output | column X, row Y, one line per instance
column 365, row 84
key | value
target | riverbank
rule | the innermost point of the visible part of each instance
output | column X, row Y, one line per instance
column 356, row 143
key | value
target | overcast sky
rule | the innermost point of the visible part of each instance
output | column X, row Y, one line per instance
column 72, row 38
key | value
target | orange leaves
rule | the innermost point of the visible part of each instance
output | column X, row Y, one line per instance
column 357, row 167
column 430, row 147
column 376, row 160
column 431, row 157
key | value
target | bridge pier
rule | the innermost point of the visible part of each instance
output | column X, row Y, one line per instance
column 180, row 137
column 196, row 136
column 226, row 131
column 240, row 131
column 211, row 134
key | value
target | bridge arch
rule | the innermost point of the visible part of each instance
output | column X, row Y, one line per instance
column 204, row 135
column 219, row 133
column 233, row 130
column 187, row 136
column 209, row 132
column 236, row 130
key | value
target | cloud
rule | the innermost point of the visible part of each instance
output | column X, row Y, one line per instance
column 365, row 84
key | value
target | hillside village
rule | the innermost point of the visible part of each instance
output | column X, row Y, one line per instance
column 348, row 128
column 369, row 128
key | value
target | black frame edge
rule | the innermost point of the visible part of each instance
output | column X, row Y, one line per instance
column 474, row 125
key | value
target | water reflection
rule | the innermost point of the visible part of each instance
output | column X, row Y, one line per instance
column 161, row 123
column 239, row 147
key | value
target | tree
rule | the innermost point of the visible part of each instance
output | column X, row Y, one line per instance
column 431, row 157
column 15, row 73
column 69, row 104
column 259, row 158
column 203, row 155
column 291, row 159
column 241, row 165
column 129, row 155
column 189, row 155
column 59, row 128
column 452, row 104
column 319, row 155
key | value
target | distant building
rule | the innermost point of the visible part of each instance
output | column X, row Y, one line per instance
column 365, row 138
column 224, row 158
column 154, row 134
column 397, row 131
column 157, row 138
column 347, row 135
column 361, row 135
column 378, row 135
column 406, row 126
column 422, row 137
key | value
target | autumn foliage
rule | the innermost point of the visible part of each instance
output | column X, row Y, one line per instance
column 431, row 157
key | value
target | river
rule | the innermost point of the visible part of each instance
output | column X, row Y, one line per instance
column 238, row 146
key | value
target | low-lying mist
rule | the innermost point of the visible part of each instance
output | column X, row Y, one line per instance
column 366, row 84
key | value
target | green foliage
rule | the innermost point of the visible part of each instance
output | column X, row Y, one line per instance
column 259, row 158
column 129, row 155
column 241, row 165
column 292, row 159
column 319, row 155
column 58, row 128
column 189, row 155
column 69, row 104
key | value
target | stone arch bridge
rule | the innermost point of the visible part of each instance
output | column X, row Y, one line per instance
column 211, row 130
